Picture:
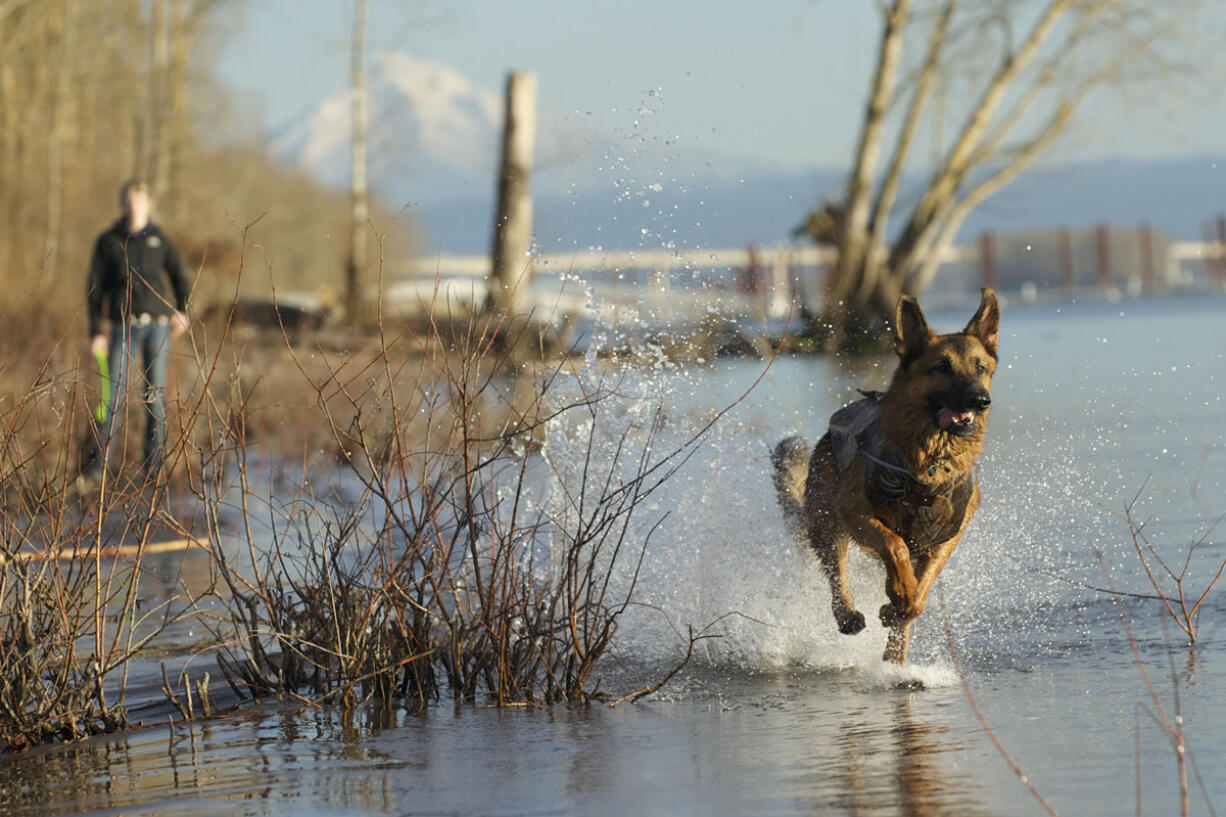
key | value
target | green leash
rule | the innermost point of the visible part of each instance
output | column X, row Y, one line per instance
column 105, row 372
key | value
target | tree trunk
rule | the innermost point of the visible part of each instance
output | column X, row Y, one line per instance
column 185, row 22
column 868, row 280
column 55, row 139
column 871, row 288
column 8, row 140
column 159, row 68
column 174, row 124
column 841, row 316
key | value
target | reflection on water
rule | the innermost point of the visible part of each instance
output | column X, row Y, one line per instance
column 904, row 759
column 801, row 743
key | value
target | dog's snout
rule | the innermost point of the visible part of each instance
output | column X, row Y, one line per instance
column 978, row 401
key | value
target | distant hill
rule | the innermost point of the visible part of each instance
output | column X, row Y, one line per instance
column 433, row 148
column 1176, row 197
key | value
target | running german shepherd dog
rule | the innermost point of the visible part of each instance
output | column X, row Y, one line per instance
column 896, row 471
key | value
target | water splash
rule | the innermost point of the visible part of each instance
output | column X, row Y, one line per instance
column 719, row 560
column 1052, row 494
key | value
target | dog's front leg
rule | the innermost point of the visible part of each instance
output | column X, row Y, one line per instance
column 929, row 568
column 899, row 574
column 899, row 620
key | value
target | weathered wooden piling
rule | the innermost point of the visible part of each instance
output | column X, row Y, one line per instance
column 1068, row 274
column 511, row 274
column 1220, row 266
column 1102, row 235
column 355, row 264
column 1145, row 246
column 987, row 260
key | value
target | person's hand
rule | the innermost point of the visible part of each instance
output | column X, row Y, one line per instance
column 179, row 324
column 98, row 346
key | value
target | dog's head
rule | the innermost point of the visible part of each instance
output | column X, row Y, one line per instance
column 949, row 375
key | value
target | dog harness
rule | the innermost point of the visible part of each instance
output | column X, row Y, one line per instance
column 922, row 515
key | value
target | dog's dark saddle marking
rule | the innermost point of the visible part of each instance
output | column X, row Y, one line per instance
column 923, row 515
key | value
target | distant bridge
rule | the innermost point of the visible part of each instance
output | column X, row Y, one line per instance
column 762, row 282
column 633, row 284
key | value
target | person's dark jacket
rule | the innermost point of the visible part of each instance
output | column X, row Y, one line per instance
column 129, row 273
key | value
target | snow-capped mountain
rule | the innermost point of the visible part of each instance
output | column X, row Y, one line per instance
column 430, row 129
column 433, row 145
column 433, row 135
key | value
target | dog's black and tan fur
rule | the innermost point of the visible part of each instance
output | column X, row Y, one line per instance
column 931, row 429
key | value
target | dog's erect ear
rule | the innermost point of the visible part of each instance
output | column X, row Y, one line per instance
column 985, row 324
column 911, row 332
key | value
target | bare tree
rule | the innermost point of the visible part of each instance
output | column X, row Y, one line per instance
column 174, row 27
column 66, row 23
column 1024, row 68
column 152, row 115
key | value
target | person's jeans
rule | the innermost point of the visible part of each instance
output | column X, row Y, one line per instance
column 152, row 341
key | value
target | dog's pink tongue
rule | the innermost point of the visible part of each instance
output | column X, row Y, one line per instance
column 948, row 418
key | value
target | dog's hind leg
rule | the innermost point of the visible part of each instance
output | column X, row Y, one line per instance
column 827, row 535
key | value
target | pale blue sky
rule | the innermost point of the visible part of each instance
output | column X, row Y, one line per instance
column 781, row 81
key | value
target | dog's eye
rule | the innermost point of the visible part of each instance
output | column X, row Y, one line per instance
column 944, row 367
column 980, row 367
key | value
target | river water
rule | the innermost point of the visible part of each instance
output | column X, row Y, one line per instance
column 1095, row 404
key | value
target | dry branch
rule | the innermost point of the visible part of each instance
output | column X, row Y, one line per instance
column 1022, row 777
column 1053, row 57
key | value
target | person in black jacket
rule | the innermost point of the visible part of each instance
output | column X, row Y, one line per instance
column 136, row 279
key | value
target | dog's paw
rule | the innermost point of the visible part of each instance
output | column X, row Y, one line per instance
column 851, row 623
column 892, row 616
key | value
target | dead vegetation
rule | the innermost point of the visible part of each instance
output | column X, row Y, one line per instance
column 1171, row 589
column 72, row 616
column 1176, row 598
column 439, row 513
column 464, row 562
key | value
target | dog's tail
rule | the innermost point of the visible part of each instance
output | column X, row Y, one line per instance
column 791, row 460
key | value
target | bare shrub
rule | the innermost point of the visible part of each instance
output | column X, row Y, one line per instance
column 1171, row 590
column 1177, row 602
column 448, row 571
column 72, row 616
